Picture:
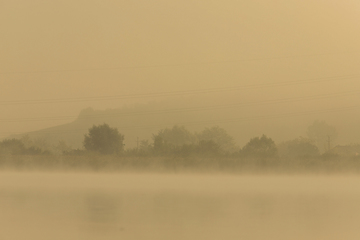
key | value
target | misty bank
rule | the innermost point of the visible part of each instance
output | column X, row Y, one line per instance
column 101, row 163
column 107, row 206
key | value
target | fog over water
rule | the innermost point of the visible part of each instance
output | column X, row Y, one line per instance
column 147, row 206
column 215, row 87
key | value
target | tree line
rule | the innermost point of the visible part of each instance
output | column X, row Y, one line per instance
column 179, row 141
column 211, row 142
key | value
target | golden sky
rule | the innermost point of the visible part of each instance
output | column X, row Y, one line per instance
column 60, row 53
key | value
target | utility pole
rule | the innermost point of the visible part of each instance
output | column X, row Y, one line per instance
column 137, row 143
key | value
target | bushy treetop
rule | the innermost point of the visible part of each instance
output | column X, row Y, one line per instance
column 262, row 147
column 104, row 139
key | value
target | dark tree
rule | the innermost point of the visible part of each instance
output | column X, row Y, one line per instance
column 209, row 147
column 12, row 146
column 263, row 147
column 159, row 144
column 176, row 136
column 104, row 139
column 217, row 135
column 172, row 139
column 17, row 147
column 299, row 148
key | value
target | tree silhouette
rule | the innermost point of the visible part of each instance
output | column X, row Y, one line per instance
column 300, row 148
column 104, row 139
column 17, row 147
column 217, row 135
column 263, row 147
column 170, row 138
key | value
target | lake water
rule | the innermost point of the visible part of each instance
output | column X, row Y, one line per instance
column 43, row 206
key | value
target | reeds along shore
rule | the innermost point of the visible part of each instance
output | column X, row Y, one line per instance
column 174, row 164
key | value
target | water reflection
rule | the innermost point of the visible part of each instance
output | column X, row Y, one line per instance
column 102, row 208
column 253, row 208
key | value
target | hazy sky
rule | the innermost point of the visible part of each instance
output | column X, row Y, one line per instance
column 83, row 49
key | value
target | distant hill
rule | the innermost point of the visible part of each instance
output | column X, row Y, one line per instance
column 136, row 123
column 139, row 122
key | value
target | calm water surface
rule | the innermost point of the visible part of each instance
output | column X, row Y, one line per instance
column 71, row 206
